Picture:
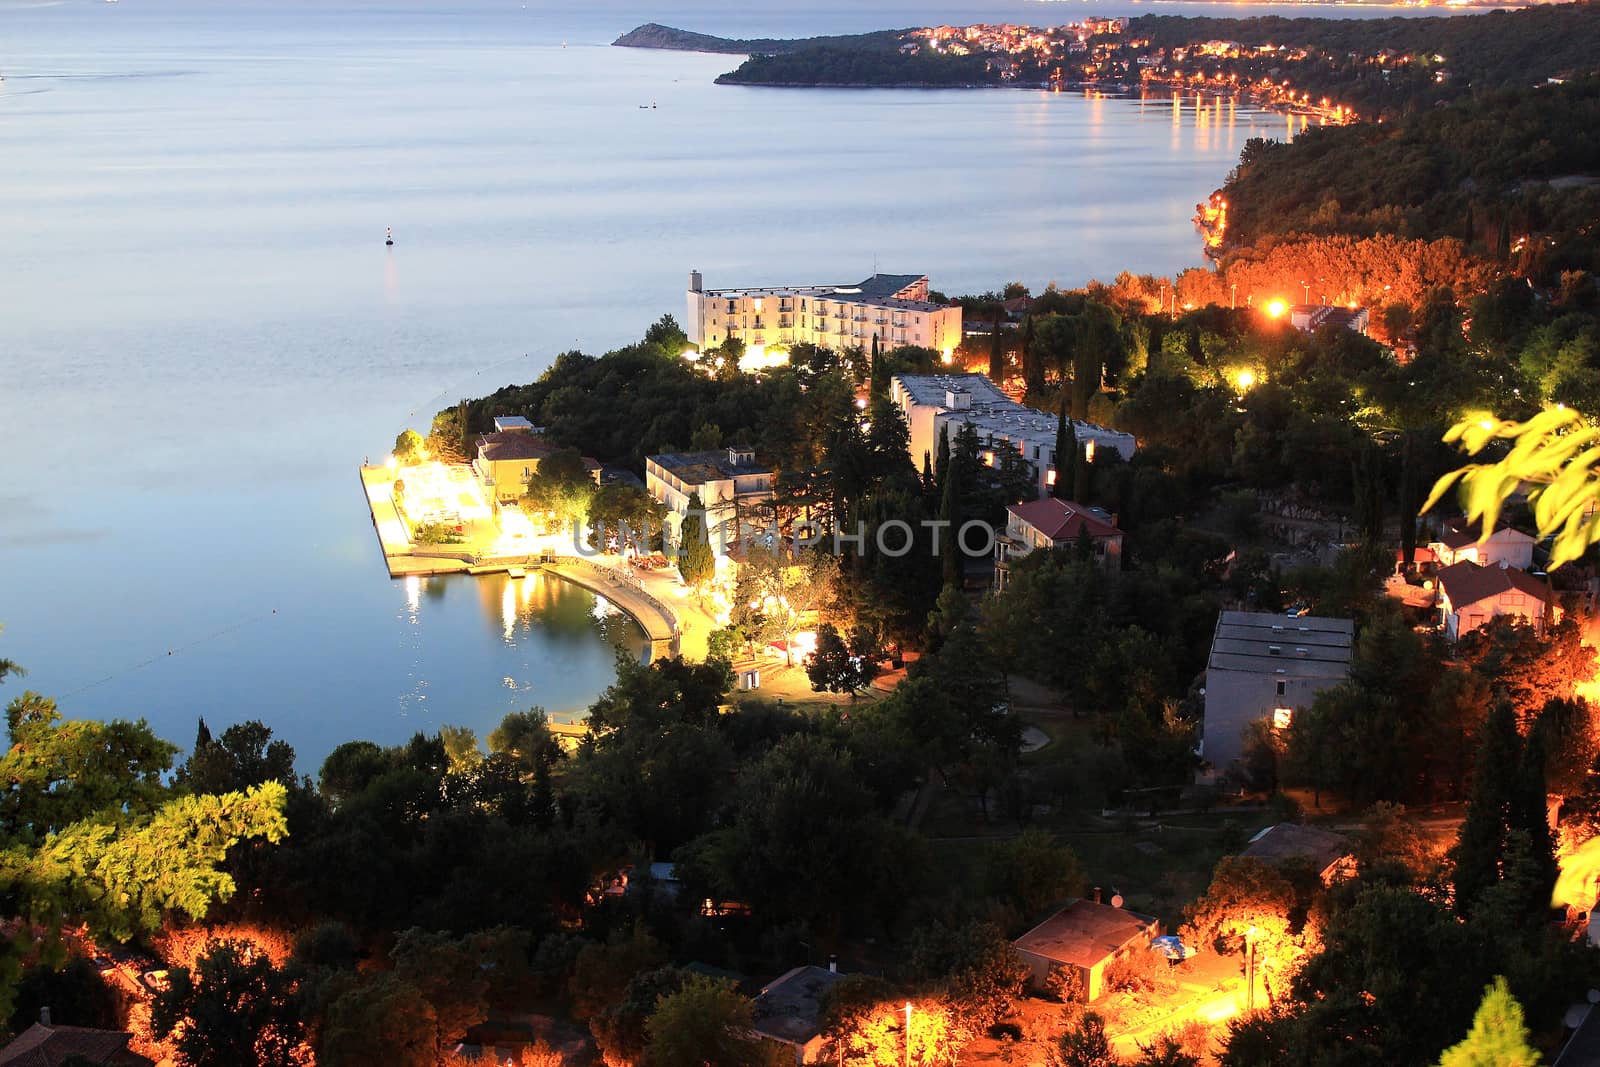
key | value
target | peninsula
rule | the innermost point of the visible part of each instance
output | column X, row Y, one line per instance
column 1333, row 69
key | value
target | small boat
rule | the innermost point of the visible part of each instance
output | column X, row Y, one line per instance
column 388, row 234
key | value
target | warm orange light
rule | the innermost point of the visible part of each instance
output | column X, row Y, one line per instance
column 1276, row 309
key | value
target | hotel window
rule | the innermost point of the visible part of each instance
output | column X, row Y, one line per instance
column 1282, row 718
column 1281, row 686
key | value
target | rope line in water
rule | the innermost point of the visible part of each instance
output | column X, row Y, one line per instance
column 169, row 653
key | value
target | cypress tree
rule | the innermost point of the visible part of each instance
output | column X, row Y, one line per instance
column 878, row 387
column 1481, row 847
column 927, row 473
column 1066, row 449
column 941, row 463
column 1527, row 812
column 950, row 512
column 696, row 562
column 997, row 352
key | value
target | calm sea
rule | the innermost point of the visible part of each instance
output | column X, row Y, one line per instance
column 202, row 333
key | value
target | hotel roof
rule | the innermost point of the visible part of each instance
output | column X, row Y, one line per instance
column 1307, row 646
column 993, row 411
column 880, row 290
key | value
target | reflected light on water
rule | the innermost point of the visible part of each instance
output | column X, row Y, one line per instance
column 508, row 610
column 413, row 595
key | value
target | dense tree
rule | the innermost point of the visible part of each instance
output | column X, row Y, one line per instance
column 244, row 756
column 696, row 561
column 838, row 666
column 232, row 1009
column 706, row 1023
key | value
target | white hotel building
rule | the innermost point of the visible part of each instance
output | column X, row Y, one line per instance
column 894, row 308
column 936, row 404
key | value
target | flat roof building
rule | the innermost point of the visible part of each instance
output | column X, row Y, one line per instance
column 894, row 308
column 729, row 482
column 1266, row 666
column 789, row 1010
column 936, row 404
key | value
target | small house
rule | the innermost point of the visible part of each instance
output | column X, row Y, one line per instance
column 788, row 1011
column 1326, row 852
column 1088, row 936
column 44, row 1045
column 1470, row 596
column 1459, row 542
column 1052, row 523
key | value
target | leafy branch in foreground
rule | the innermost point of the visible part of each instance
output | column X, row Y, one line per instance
column 1556, row 453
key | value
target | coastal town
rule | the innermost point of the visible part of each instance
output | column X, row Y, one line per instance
column 1185, row 670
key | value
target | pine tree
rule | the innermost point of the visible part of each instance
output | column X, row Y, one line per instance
column 927, row 473
column 1480, row 848
column 1499, row 1036
column 1066, row 449
column 696, row 562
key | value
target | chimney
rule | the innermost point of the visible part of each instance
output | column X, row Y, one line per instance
column 1097, row 894
column 833, row 966
column 44, row 1016
column 694, row 281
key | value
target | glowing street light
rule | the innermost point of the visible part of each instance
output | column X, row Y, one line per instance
column 1276, row 308
column 1246, row 380
column 1250, row 969
column 908, row 1033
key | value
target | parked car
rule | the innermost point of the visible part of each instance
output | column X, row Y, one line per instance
column 155, row 981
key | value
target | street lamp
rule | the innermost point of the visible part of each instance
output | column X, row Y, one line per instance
column 1308, row 291
column 908, row 1033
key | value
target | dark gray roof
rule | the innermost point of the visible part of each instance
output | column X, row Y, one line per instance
column 788, row 1008
column 698, row 468
column 1583, row 1047
column 1287, row 840
column 884, row 286
column 1308, row 646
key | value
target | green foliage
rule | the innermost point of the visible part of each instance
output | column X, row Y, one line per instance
column 75, row 993
column 1084, row 1045
column 409, row 447
column 436, row 533
column 460, row 748
column 561, row 489
column 1032, row 872
column 706, row 1023
column 383, row 1020
column 1555, row 451
column 974, row 967
column 696, row 559
column 234, row 1009
column 833, row 65
column 244, row 756
column 1498, row 1038
column 840, row 667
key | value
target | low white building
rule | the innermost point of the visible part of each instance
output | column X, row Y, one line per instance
column 894, row 308
column 728, row 481
column 1266, row 666
column 936, row 404
column 1309, row 318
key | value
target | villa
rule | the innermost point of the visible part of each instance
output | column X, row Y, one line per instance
column 1050, row 523
column 729, row 482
